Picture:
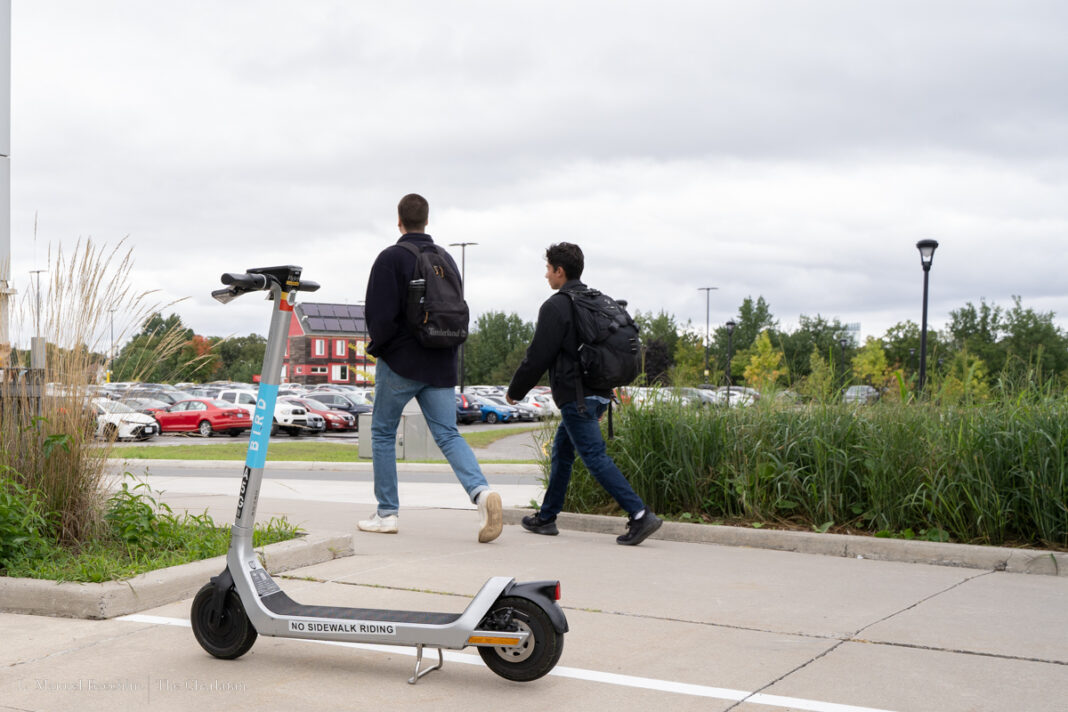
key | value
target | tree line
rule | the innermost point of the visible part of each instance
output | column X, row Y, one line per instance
column 981, row 344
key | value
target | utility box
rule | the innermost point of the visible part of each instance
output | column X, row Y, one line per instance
column 414, row 441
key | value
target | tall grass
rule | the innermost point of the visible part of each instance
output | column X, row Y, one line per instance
column 47, row 443
column 994, row 474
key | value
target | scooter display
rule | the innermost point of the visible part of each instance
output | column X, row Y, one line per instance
column 518, row 628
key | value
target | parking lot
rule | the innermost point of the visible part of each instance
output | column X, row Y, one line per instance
column 170, row 439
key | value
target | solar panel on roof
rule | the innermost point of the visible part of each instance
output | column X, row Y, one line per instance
column 310, row 309
column 356, row 311
column 317, row 323
column 348, row 324
column 332, row 324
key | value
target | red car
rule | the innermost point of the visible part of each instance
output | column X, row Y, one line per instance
column 205, row 416
column 336, row 420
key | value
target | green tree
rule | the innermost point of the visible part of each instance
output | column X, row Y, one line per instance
column 812, row 333
column 242, row 357
column 1033, row 341
column 155, row 353
column 902, row 345
column 965, row 380
column 496, row 347
column 661, row 327
column 765, row 366
column 753, row 319
column 978, row 331
column 689, row 357
column 656, row 362
column 869, row 363
column 819, row 383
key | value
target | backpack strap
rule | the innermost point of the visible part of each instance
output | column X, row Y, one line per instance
column 416, row 251
column 578, row 364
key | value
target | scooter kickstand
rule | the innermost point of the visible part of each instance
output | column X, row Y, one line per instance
column 419, row 659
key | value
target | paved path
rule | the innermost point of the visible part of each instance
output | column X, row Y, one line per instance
column 669, row 625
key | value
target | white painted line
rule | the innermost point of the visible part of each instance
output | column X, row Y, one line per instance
column 607, row 678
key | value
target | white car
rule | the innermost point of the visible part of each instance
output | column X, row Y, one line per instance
column 287, row 416
column 541, row 412
column 118, row 421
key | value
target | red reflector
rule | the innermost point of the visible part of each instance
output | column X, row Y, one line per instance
column 557, row 593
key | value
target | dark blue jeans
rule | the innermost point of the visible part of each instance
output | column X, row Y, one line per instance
column 581, row 432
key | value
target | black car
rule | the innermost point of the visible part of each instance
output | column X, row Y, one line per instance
column 467, row 411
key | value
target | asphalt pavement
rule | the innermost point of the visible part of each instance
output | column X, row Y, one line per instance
column 672, row 624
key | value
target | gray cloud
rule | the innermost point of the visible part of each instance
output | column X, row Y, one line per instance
column 796, row 151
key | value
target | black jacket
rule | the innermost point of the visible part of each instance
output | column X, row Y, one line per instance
column 554, row 348
column 391, row 339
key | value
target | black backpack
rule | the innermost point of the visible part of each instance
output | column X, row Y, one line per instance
column 609, row 352
column 436, row 311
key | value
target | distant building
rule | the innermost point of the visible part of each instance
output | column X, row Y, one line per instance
column 327, row 344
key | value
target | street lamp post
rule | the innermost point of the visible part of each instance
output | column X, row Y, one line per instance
column 463, row 289
column 707, row 291
column 927, row 249
column 730, row 352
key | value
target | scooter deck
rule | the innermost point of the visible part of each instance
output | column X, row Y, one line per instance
column 282, row 605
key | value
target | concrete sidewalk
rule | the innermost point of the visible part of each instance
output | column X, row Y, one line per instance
column 670, row 624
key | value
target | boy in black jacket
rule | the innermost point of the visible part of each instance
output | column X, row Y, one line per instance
column 555, row 348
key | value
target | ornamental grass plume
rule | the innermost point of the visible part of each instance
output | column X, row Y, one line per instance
column 46, row 428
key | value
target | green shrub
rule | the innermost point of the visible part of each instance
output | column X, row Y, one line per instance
column 994, row 474
column 23, row 524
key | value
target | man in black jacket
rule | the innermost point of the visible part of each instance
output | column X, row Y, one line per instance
column 404, row 370
column 555, row 348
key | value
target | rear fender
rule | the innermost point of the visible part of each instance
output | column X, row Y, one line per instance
column 543, row 594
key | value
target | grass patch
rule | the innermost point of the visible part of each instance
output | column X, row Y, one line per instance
column 485, row 438
column 288, row 451
column 140, row 535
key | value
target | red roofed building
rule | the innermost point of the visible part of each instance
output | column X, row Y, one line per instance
column 327, row 345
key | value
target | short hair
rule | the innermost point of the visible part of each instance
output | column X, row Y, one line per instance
column 413, row 211
column 567, row 255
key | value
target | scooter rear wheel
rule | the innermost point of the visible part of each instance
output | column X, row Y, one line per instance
column 227, row 636
column 537, row 656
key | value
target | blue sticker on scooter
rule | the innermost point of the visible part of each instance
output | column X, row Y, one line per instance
column 261, row 426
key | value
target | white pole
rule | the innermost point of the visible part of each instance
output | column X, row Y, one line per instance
column 5, row 179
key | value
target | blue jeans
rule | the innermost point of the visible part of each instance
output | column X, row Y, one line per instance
column 582, row 432
column 392, row 393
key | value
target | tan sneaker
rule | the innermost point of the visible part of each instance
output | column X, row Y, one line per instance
column 379, row 525
column 490, row 514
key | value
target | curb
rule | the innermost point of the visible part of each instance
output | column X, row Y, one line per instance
column 156, row 588
column 1016, row 561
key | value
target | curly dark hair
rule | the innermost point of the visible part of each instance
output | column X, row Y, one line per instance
column 567, row 255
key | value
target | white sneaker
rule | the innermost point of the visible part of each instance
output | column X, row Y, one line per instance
column 380, row 525
column 490, row 514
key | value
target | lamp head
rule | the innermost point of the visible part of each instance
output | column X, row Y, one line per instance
column 927, row 249
column 730, row 326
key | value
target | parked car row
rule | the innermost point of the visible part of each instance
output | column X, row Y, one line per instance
column 142, row 410
column 488, row 404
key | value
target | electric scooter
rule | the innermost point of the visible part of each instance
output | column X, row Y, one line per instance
column 518, row 628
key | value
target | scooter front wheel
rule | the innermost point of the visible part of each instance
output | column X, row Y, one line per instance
column 534, row 658
column 227, row 634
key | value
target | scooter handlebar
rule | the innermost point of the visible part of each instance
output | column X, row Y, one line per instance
column 244, row 281
column 256, row 280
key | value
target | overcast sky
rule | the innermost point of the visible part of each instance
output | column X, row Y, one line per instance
column 794, row 150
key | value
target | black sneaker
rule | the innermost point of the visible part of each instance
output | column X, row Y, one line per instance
column 534, row 523
column 639, row 529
